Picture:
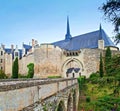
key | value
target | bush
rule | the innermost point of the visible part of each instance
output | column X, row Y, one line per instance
column 22, row 76
column 30, row 70
column 87, row 99
column 93, row 77
column 2, row 75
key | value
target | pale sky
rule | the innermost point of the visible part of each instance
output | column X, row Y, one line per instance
column 45, row 20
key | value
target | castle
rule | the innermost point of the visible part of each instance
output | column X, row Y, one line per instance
column 71, row 57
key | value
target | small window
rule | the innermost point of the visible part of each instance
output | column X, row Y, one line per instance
column 1, row 60
column 73, row 75
column 16, row 53
column 1, row 68
column 67, row 74
column 1, row 52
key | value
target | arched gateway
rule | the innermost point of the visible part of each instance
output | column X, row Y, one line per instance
column 72, row 68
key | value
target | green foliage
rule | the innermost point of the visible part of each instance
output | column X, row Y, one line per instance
column 22, row 76
column 53, row 77
column 111, row 11
column 15, row 68
column 94, row 77
column 81, row 82
column 30, row 70
column 108, row 103
column 2, row 75
column 114, row 65
column 88, row 99
column 101, row 66
column 107, row 62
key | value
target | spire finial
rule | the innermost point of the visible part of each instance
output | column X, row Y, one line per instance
column 100, row 27
column 100, row 31
column 68, row 36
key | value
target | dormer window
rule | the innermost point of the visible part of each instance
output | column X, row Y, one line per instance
column 16, row 54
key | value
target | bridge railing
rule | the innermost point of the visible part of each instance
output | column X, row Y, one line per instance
column 19, row 93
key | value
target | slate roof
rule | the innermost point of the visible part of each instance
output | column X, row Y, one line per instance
column 88, row 40
column 9, row 51
column 71, row 69
column 27, row 47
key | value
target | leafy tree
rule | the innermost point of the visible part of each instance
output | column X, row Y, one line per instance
column 111, row 11
column 101, row 66
column 15, row 68
column 30, row 70
column 107, row 60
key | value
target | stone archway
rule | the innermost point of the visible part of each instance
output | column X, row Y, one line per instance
column 61, row 106
column 70, row 103
column 71, row 63
column 74, row 100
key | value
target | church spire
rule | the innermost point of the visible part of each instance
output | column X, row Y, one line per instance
column 68, row 36
column 100, row 32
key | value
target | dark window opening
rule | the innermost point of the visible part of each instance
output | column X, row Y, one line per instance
column 1, row 52
column 1, row 61
column 16, row 53
column 66, row 74
column 73, row 75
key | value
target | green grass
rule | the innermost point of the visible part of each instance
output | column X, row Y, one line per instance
column 53, row 77
column 95, row 91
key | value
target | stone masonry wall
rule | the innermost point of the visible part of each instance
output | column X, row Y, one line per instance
column 91, row 58
column 8, row 64
column 47, row 61
column 24, row 62
column 16, row 95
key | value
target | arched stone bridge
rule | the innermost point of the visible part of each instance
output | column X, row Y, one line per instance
column 39, row 95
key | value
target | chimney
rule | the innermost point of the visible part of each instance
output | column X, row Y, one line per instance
column 36, row 42
column 33, row 42
column 12, row 47
column 3, row 46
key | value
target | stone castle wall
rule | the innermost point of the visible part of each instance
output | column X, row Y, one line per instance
column 47, row 60
column 24, row 62
column 50, row 61
column 91, row 59
column 8, row 64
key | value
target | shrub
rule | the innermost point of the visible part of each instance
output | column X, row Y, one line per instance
column 15, row 69
column 93, row 77
column 30, row 70
column 2, row 75
column 22, row 76
column 87, row 99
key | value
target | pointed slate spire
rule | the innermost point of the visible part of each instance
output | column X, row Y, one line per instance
column 68, row 36
column 100, row 32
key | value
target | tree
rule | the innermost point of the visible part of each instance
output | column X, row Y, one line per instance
column 101, row 66
column 15, row 68
column 111, row 11
column 107, row 60
column 30, row 70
